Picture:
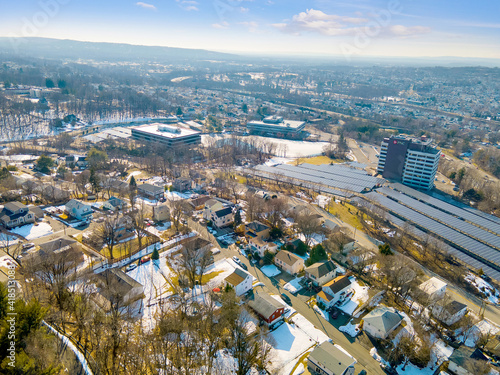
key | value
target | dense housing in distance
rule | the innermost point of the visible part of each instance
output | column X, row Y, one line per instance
column 171, row 135
column 410, row 161
column 276, row 126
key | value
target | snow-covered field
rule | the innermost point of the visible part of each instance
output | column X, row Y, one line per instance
column 175, row 195
column 8, row 240
column 270, row 270
column 294, row 286
column 492, row 294
column 360, row 296
column 32, row 231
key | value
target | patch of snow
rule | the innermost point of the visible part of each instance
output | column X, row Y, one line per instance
column 322, row 200
column 483, row 327
column 270, row 270
column 321, row 312
column 294, row 286
column 491, row 293
column 299, row 370
column 351, row 329
column 32, row 231
column 360, row 296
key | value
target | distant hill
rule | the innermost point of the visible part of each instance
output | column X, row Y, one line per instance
column 72, row 49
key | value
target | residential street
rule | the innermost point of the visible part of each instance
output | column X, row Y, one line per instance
column 362, row 355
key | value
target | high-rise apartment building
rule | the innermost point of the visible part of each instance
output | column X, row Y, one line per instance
column 414, row 162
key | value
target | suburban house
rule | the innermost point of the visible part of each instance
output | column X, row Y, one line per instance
column 334, row 291
column 240, row 281
column 182, row 184
column 381, row 322
column 434, row 288
column 15, row 214
column 322, row 272
column 461, row 362
column 78, row 210
column 198, row 204
column 289, row 262
column 114, row 204
column 330, row 359
column 150, row 191
column 211, row 206
column 198, row 243
column 257, row 229
column 161, row 213
column 57, row 251
column 450, row 313
column 268, row 308
column 258, row 245
column 117, row 288
column 121, row 226
column 331, row 226
column 223, row 217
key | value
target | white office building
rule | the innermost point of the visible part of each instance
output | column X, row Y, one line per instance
column 410, row 161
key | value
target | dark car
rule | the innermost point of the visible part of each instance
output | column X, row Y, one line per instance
column 334, row 314
column 285, row 298
column 362, row 372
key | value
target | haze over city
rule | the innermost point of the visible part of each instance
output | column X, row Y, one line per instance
column 361, row 28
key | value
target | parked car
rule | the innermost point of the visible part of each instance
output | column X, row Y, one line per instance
column 236, row 260
column 131, row 267
column 362, row 372
column 334, row 314
column 28, row 245
column 285, row 298
column 243, row 265
column 144, row 260
column 215, row 250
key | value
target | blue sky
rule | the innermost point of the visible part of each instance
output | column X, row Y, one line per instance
column 319, row 27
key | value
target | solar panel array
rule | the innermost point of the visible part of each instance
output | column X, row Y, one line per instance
column 476, row 217
column 309, row 185
column 451, row 221
column 333, row 176
column 474, row 248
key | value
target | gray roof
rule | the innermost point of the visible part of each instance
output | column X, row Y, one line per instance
column 288, row 257
column 331, row 357
column 257, row 226
column 150, row 188
column 383, row 318
column 454, row 306
column 321, row 269
column 264, row 304
column 56, row 244
column 14, row 206
column 73, row 203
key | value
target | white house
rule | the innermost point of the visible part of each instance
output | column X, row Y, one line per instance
column 222, row 218
column 330, row 359
column 240, row 281
column 450, row 313
column 381, row 322
column 434, row 288
column 78, row 210
column 258, row 245
column 322, row 272
column 334, row 291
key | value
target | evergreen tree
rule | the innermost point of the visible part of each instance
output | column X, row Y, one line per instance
column 237, row 219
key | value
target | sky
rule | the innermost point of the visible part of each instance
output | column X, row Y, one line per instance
column 406, row 28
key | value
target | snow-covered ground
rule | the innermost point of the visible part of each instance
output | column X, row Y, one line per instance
column 321, row 312
column 32, row 231
column 360, row 296
column 270, row 270
column 175, row 195
column 351, row 329
column 291, row 340
column 316, row 239
column 492, row 294
column 7, row 262
column 8, row 240
column 224, row 268
column 484, row 327
column 294, row 286
column 153, row 276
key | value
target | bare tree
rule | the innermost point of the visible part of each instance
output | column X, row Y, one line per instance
column 308, row 226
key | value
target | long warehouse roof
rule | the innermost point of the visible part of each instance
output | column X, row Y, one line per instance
column 468, row 244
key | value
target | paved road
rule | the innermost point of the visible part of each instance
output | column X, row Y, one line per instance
column 362, row 355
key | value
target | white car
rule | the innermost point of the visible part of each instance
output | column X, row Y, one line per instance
column 131, row 267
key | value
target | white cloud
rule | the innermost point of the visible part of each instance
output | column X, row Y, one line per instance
column 188, row 5
column 220, row 25
column 400, row 30
column 317, row 21
column 320, row 22
column 145, row 5
column 244, row 10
